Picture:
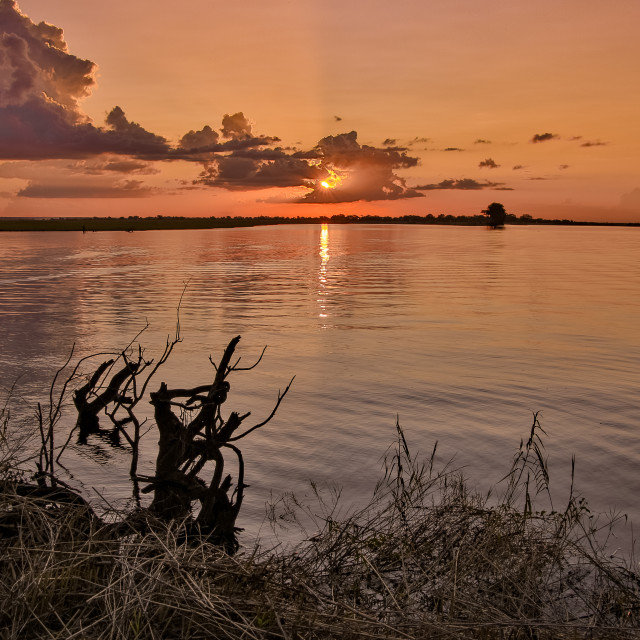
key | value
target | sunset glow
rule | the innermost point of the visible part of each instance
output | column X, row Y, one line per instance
column 533, row 106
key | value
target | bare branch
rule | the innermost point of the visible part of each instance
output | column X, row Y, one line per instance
column 273, row 413
column 235, row 367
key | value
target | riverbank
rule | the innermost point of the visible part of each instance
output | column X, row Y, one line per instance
column 136, row 223
column 427, row 558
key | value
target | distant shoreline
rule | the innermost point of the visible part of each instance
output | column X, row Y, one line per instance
column 136, row 223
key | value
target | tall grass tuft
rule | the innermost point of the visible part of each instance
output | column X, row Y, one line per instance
column 428, row 557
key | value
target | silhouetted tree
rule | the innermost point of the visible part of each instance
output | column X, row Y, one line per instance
column 497, row 214
column 193, row 435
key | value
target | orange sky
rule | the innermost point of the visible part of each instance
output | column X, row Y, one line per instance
column 409, row 107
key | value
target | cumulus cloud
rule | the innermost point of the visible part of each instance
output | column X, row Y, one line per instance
column 359, row 172
column 488, row 164
column 349, row 171
column 242, row 172
column 35, row 62
column 464, row 184
column 206, row 137
column 236, row 126
column 41, row 87
column 543, row 137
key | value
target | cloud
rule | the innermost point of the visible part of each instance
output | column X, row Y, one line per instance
column 58, row 189
column 236, row 126
column 42, row 86
column 363, row 172
column 595, row 143
column 482, row 141
column 488, row 163
column 517, row 167
column 464, row 184
column 356, row 172
column 35, row 62
column 112, row 164
column 563, row 167
column 453, row 149
column 337, row 118
column 242, row 172
column 389, row 142
column 543, row 137
column 206, row 137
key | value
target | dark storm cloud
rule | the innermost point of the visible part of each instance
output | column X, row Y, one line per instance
column 543, row 137
column 488, row 163
column 464, row 184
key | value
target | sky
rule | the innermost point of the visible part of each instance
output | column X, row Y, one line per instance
column 300, row 108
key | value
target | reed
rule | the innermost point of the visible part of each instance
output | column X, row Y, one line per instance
column 428, row 557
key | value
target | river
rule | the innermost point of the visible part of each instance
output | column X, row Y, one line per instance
column 459, row 332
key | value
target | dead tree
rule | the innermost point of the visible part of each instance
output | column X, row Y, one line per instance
column 90, row 401
column 193, row 436
column 187, row 443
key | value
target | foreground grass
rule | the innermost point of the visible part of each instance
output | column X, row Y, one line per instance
column 427, row 558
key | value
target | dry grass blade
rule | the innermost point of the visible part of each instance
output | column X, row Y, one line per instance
column 427, row 558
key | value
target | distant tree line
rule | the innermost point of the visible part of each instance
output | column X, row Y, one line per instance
column 138, row 223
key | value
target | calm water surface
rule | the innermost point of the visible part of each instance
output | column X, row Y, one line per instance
column 461, row 332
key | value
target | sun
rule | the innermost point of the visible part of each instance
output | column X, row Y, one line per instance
column 332, row 181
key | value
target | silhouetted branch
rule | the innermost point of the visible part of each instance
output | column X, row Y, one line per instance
column 273, row 413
